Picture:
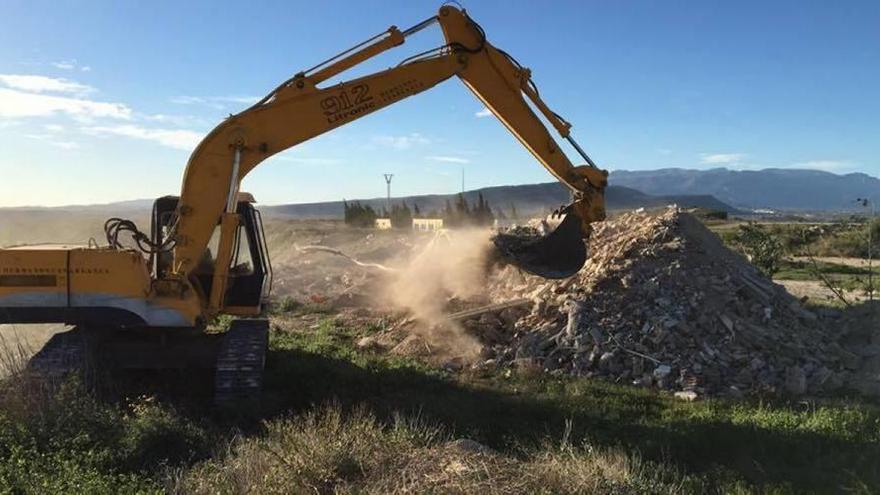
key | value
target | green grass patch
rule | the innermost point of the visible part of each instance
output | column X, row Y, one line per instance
column 825, row 446
column 337, row 419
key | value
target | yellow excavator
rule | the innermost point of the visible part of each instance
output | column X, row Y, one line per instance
column 206, row 254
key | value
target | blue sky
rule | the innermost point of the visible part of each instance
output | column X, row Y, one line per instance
column 103, row 101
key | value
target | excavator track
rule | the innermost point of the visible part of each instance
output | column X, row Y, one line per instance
column 239, row 374
column 64, row 354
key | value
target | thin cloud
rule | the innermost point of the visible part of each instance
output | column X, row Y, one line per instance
column 401, row 142
column 485, row 112
column 65, row 65
column 826, row 165
column 308, row 160
column 67, row 145
column 172, row 138
column 722, row 158
column 50, row 140
column 42, row 84
column 16, row 104
column 664, row 151
column 176, row 120
column 218, row 102
column 448, row 159
column 71, row 64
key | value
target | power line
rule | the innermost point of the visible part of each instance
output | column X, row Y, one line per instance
column 388, row 178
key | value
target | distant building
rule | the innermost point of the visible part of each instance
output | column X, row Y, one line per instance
column 383, row 223
column 427, row 224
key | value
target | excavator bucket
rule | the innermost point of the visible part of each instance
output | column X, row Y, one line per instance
column 560, row 254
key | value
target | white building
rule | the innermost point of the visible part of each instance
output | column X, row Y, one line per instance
column 427, row 224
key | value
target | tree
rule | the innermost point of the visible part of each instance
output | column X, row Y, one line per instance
column 416, row 212
column 762, row 248
column 401, row 216
column 358, row 215
column 514, row 215
column 482, row 212
column 450, row 219
column 462, row 209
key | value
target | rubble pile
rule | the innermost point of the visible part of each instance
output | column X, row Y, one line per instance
column 662, row 303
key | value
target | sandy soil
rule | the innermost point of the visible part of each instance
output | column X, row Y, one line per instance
column 19, row 342
column 857, row 262
column 817, row 292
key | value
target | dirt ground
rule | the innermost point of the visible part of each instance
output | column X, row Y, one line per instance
column 838, row 260
column 817, row 292
column 19, row 342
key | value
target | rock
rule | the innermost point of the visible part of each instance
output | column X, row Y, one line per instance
column 795, row 380
column 453, row 365
column 662, row 371
column 643, row 381
column 686, row 395
column 577, row 318
column 606, row 360
column 849, row 360
column 469, row 446
column 734, row 393
column 490, row 320
column 367, row 343
column 638, row 366
column 508, row 316
column 726, row 321
column 819, row 378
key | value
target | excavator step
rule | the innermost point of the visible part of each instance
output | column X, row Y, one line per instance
column 240, row 362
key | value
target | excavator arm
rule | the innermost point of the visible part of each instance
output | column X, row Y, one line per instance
column 299, row 110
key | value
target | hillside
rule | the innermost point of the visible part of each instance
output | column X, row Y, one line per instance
column 528, row 199
column 781, row 189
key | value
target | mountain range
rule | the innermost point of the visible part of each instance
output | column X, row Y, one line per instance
column 734, row 191
column 778, row 189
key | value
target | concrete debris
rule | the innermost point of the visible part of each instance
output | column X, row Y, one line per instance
column 663, row 303
column 686, row 395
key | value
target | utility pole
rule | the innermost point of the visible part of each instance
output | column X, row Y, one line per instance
column 865, row 202
column 388, row 178
column 462, row 179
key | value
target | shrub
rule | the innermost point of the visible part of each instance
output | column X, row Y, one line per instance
column 761, row 247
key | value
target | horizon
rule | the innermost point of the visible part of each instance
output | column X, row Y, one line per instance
column 110, row 106
column 466, row 191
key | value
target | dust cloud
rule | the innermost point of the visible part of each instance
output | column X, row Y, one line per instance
column 452, row 264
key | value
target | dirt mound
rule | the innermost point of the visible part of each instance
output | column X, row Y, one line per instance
column 661, row 302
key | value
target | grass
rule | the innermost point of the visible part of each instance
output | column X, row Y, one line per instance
column 844, row 276
column 804, row 270
column 337, row 419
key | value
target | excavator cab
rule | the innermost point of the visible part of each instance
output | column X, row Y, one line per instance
column 250, row 270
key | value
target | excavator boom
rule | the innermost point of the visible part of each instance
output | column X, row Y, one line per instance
column 299, row 110
column 184, row 283
column 152, row 303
